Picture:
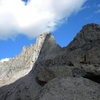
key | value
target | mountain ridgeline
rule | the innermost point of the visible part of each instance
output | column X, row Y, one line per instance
column 45, row 71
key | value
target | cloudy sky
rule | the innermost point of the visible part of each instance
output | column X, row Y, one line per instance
column 21, row 21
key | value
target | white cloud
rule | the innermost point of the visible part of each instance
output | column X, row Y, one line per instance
column 5, row 59
column 36, row 17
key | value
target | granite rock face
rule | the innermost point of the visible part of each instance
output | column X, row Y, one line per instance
column 45, row 71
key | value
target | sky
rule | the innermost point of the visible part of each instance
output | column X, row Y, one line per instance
column 21, row 21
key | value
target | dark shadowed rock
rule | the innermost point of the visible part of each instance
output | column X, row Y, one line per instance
column 44, row 77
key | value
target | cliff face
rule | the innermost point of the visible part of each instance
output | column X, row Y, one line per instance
column 16, row 67
column 22, row 64
column 45, row 71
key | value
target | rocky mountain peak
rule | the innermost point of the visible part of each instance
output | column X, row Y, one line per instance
column 49, row 72
column 91, row 27
column 22, row 64
column 49, row 46
column 89, row 32
column 45, row 37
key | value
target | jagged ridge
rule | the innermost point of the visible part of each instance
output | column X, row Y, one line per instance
column 59, row 73
column 22, row 64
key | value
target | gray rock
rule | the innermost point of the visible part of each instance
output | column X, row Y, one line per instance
column 27, row 87
column 70, row 89
column 31, row 75
column 22, row 64
column 44, row 77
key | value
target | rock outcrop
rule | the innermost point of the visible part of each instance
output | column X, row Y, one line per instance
column 22, row 64
column 45, row 71
column 70, row 89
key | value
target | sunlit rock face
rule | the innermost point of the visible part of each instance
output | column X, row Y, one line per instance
column 22, row 64
column 45, row 71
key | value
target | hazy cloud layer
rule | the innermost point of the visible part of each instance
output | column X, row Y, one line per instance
column 36, row 17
